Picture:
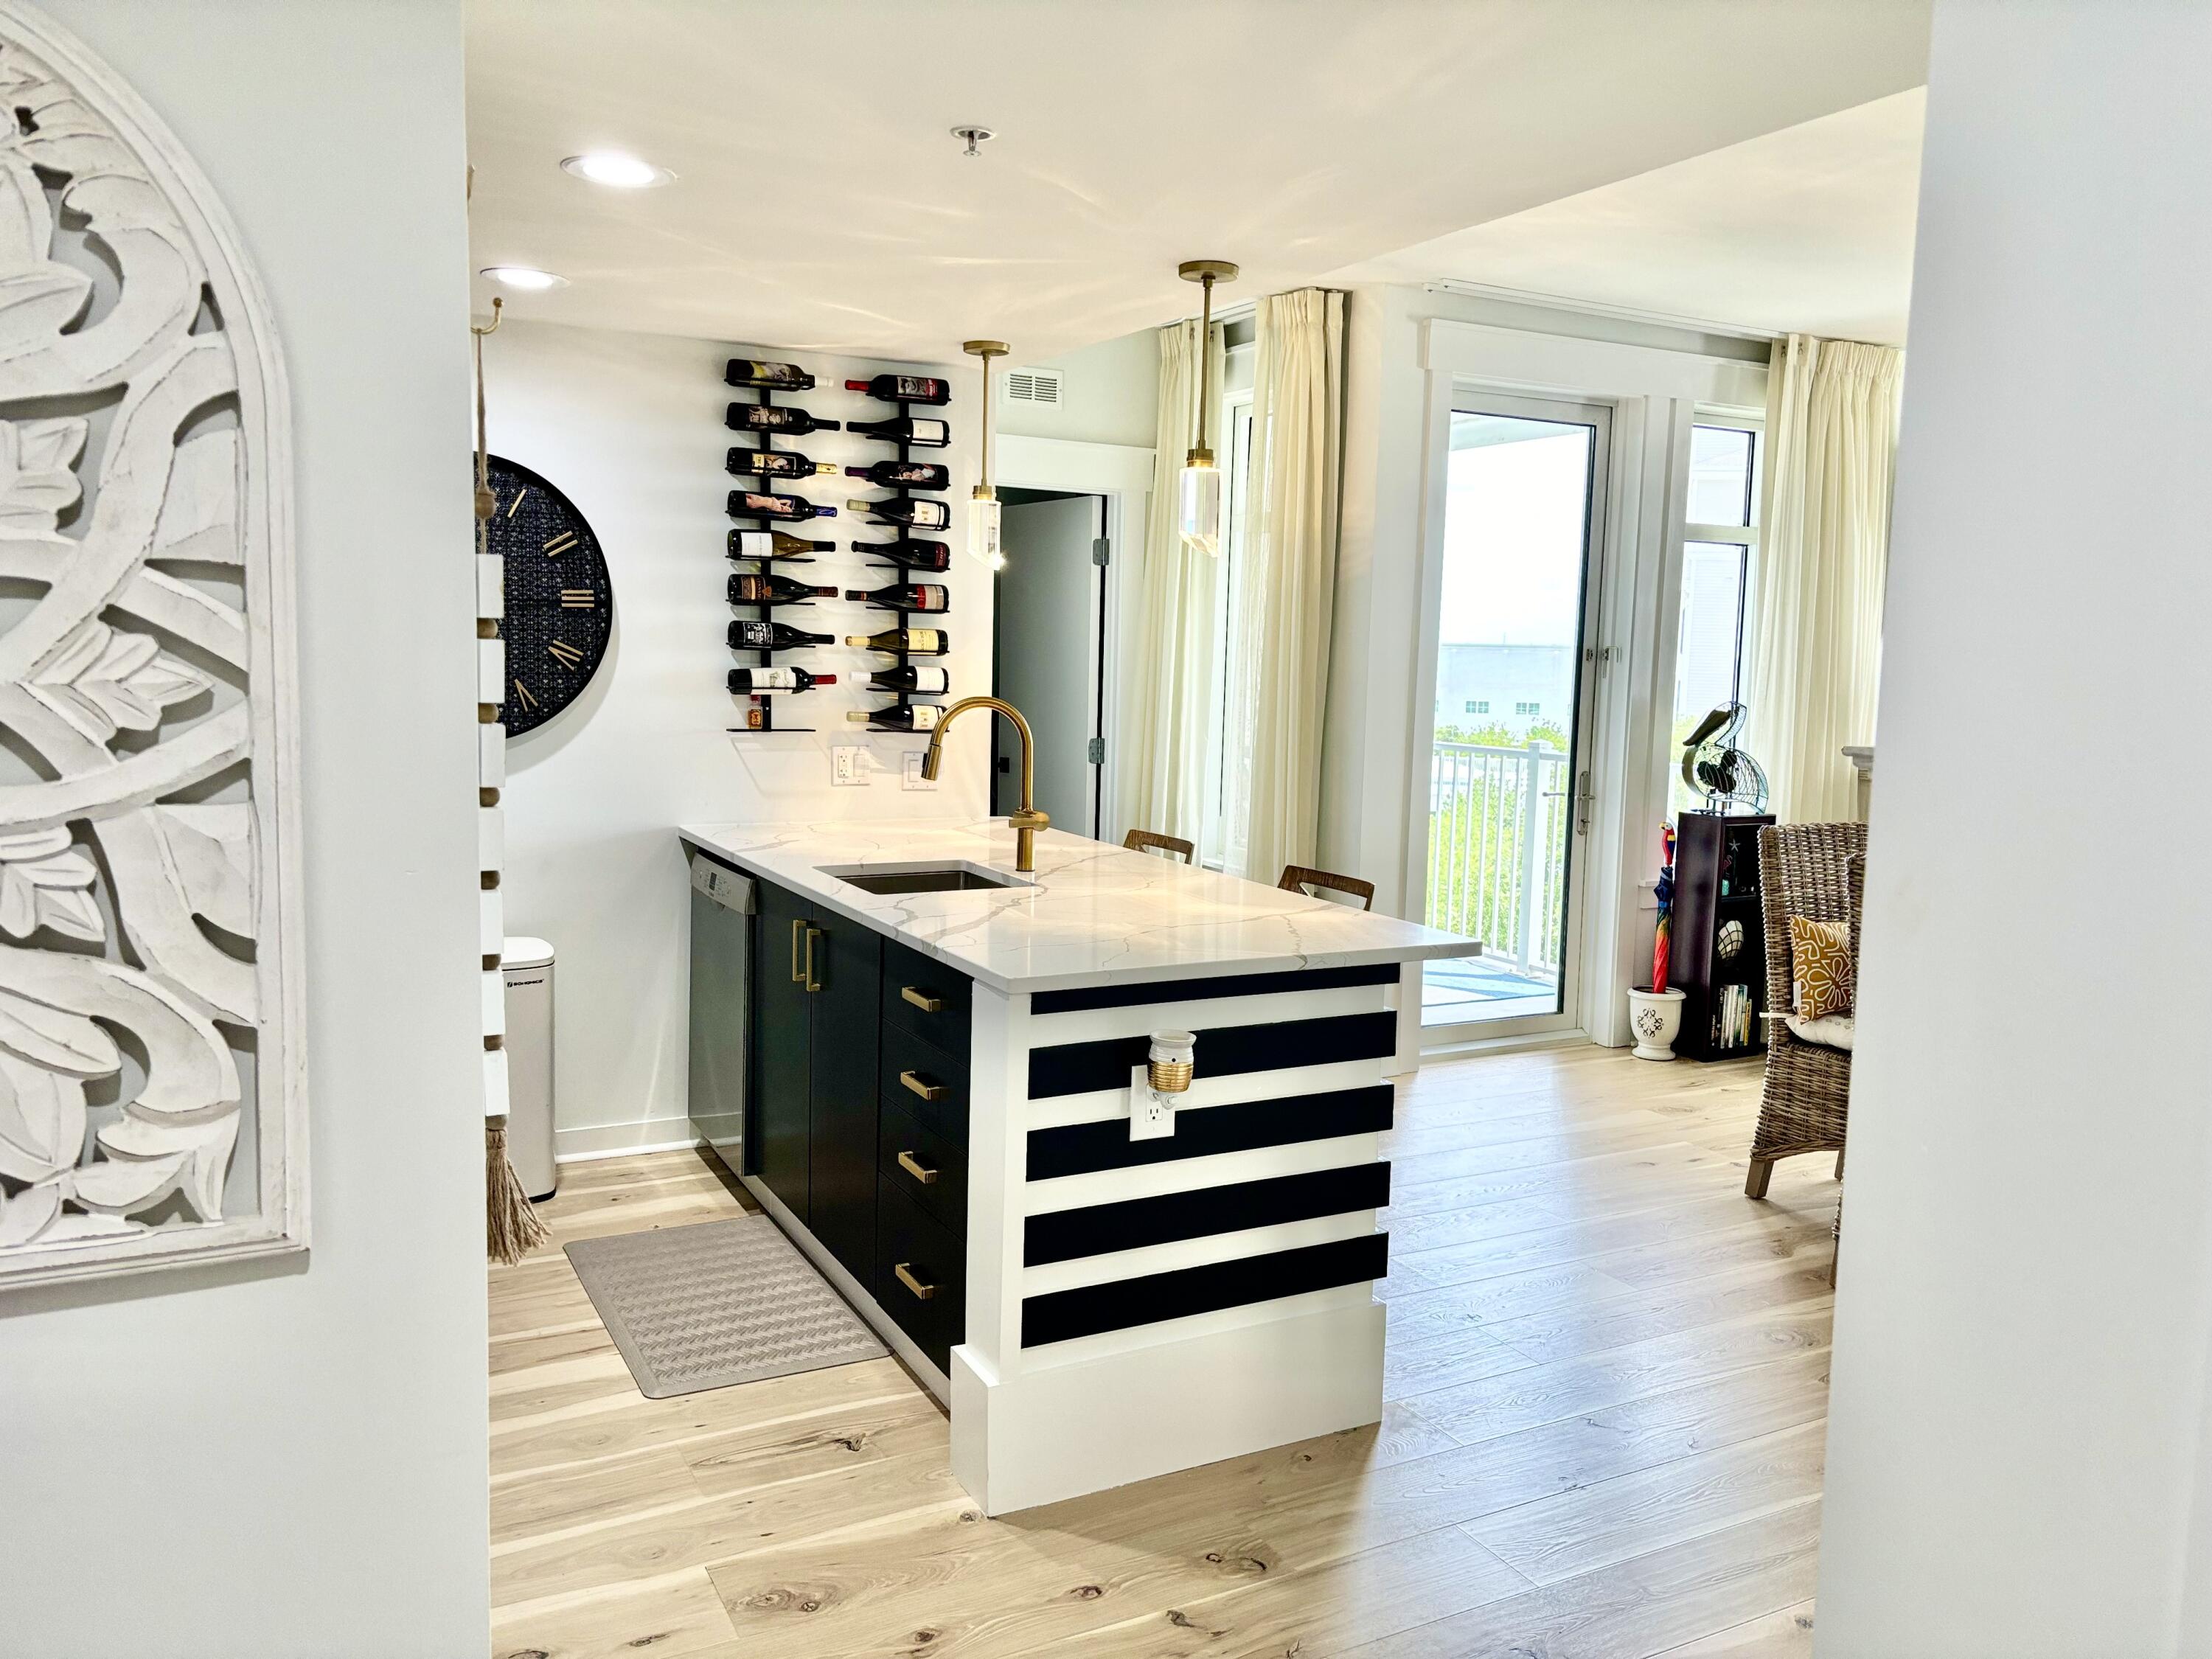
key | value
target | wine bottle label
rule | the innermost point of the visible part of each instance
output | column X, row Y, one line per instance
column 924, row 639
column 928, row 596
column 926, row 716
column 933, row 432
column 913, row 385
column 932, row 682
column 751, row 636
column 775, row 679
column 752, row 543
column 931, row 515
column 743, row 371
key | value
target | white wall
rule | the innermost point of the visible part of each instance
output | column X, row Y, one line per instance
column 629, row 426
column 2017, row 1439
column 1111, row 394
column 288, row 1460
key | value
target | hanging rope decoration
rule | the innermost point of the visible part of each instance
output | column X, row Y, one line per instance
column 511, row 1229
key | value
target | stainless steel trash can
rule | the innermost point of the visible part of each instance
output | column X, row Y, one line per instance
column 527, row 964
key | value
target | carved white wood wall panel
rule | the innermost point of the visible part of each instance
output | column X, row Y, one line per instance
column 152, row 1104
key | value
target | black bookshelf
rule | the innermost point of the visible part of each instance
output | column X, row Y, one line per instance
column 1716, row 906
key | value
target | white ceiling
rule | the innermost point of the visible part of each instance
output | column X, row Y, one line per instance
column 822, row 205
column 1809, row 229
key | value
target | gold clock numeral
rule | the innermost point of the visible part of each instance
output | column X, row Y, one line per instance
column 563, row 543
column 522, row 695
column 565, row 653
column 517, row 502
column 578, row 598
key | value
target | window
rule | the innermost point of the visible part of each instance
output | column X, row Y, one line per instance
column 1214, row 850
column 1720, row 541
column 1527, row 707
column 1478, row 706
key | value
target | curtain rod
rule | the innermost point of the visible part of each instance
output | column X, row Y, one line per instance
column 1599, row 308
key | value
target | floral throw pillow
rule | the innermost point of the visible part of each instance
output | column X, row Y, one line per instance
column 1821, row 971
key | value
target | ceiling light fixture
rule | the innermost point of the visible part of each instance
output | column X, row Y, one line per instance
column 613, row 168
column 973, row 135
column 1200, row 495
column 523, row 276
column 983, row 504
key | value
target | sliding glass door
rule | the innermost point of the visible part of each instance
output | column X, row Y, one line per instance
column 1509, row 788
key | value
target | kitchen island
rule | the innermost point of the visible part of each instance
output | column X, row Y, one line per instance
column 938, row 1107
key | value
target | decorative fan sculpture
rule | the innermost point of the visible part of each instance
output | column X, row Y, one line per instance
column 1728, row 779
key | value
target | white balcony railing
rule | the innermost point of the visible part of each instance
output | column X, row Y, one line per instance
column 1497, row 848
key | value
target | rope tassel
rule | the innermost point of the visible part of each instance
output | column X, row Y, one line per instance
column 512, row 1227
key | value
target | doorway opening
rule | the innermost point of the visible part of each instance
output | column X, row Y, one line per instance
column 1048, row 652
column 1509, row 788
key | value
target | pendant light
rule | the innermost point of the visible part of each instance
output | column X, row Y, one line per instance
column 1201, row 493
column 983, row 504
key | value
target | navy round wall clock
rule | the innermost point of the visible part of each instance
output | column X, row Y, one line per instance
column 560, row 602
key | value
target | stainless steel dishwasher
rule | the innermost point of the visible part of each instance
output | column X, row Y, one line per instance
column 722, row 905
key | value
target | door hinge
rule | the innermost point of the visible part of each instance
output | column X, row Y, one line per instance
column 1102, row 550
column 1099, row 752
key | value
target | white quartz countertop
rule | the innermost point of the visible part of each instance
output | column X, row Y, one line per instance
column 1094, row 915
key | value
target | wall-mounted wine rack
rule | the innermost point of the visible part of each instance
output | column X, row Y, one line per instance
column 763, row 701
column 900, row 573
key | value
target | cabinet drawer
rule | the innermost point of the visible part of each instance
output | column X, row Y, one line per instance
column 927, row 998
column 927, row 1084
column 929, row 1298
column 927, row 1168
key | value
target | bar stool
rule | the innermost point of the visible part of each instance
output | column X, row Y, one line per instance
column 1298, row 878
column 1146, row 840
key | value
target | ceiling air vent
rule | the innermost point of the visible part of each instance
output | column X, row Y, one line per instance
column 1034, row 386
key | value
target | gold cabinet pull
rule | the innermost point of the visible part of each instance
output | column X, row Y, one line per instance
column 927, row 1177
column 812, row 984
column 922, row 1086
column 922, row 999
column 798, row 975
column 922, row 1293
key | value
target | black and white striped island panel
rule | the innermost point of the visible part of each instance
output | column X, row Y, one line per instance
column 1139, row 1306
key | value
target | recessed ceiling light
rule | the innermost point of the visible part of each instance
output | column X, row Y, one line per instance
column 523, row 276
column 611, row 166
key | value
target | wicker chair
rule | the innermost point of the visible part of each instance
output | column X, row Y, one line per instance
column 1150, row 841
column 1814, row 870
column 1303, row 878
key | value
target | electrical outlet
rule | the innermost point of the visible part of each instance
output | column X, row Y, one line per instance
column 848, row 765
column 911, row 776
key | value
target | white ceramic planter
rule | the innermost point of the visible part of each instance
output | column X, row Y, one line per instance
column 1655, row 1017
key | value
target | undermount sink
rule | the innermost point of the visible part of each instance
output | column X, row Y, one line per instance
column 921, row 877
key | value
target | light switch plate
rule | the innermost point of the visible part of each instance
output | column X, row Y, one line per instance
column 910, row 771
column 848, row 765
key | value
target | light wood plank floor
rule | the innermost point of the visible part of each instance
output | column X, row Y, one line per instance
column 1608, row 1393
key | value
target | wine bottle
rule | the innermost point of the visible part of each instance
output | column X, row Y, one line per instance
column 907, row 642
column 904, row 475
column 774, row 463
column 774, row 418
column 773, row 590
column 908, row 680
column 906, row 717
column 751, row 504
column 906, row 596
column 914, row 512
column 777, row 680
column 922, row 433
column 904, row 389
column 773, row 545
column 773, row 636
column 908, row 553
column 777, row 377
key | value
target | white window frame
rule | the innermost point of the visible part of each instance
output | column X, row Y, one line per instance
column 1725, row 535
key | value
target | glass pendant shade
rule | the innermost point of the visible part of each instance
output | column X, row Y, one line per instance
column 1200, row 500
column 983, row 529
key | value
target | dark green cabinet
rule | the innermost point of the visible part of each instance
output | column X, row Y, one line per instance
column 845, row 993
column 817, row 993
column 859, row 1116
column 781, row 1131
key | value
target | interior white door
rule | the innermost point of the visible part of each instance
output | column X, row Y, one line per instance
column 1047, row 622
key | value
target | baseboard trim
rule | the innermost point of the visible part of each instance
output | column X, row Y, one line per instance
column 660, row 1134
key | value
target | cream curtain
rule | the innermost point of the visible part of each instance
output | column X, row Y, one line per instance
column 1160, row 774
column 1831, row 437
column 1286, row 584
